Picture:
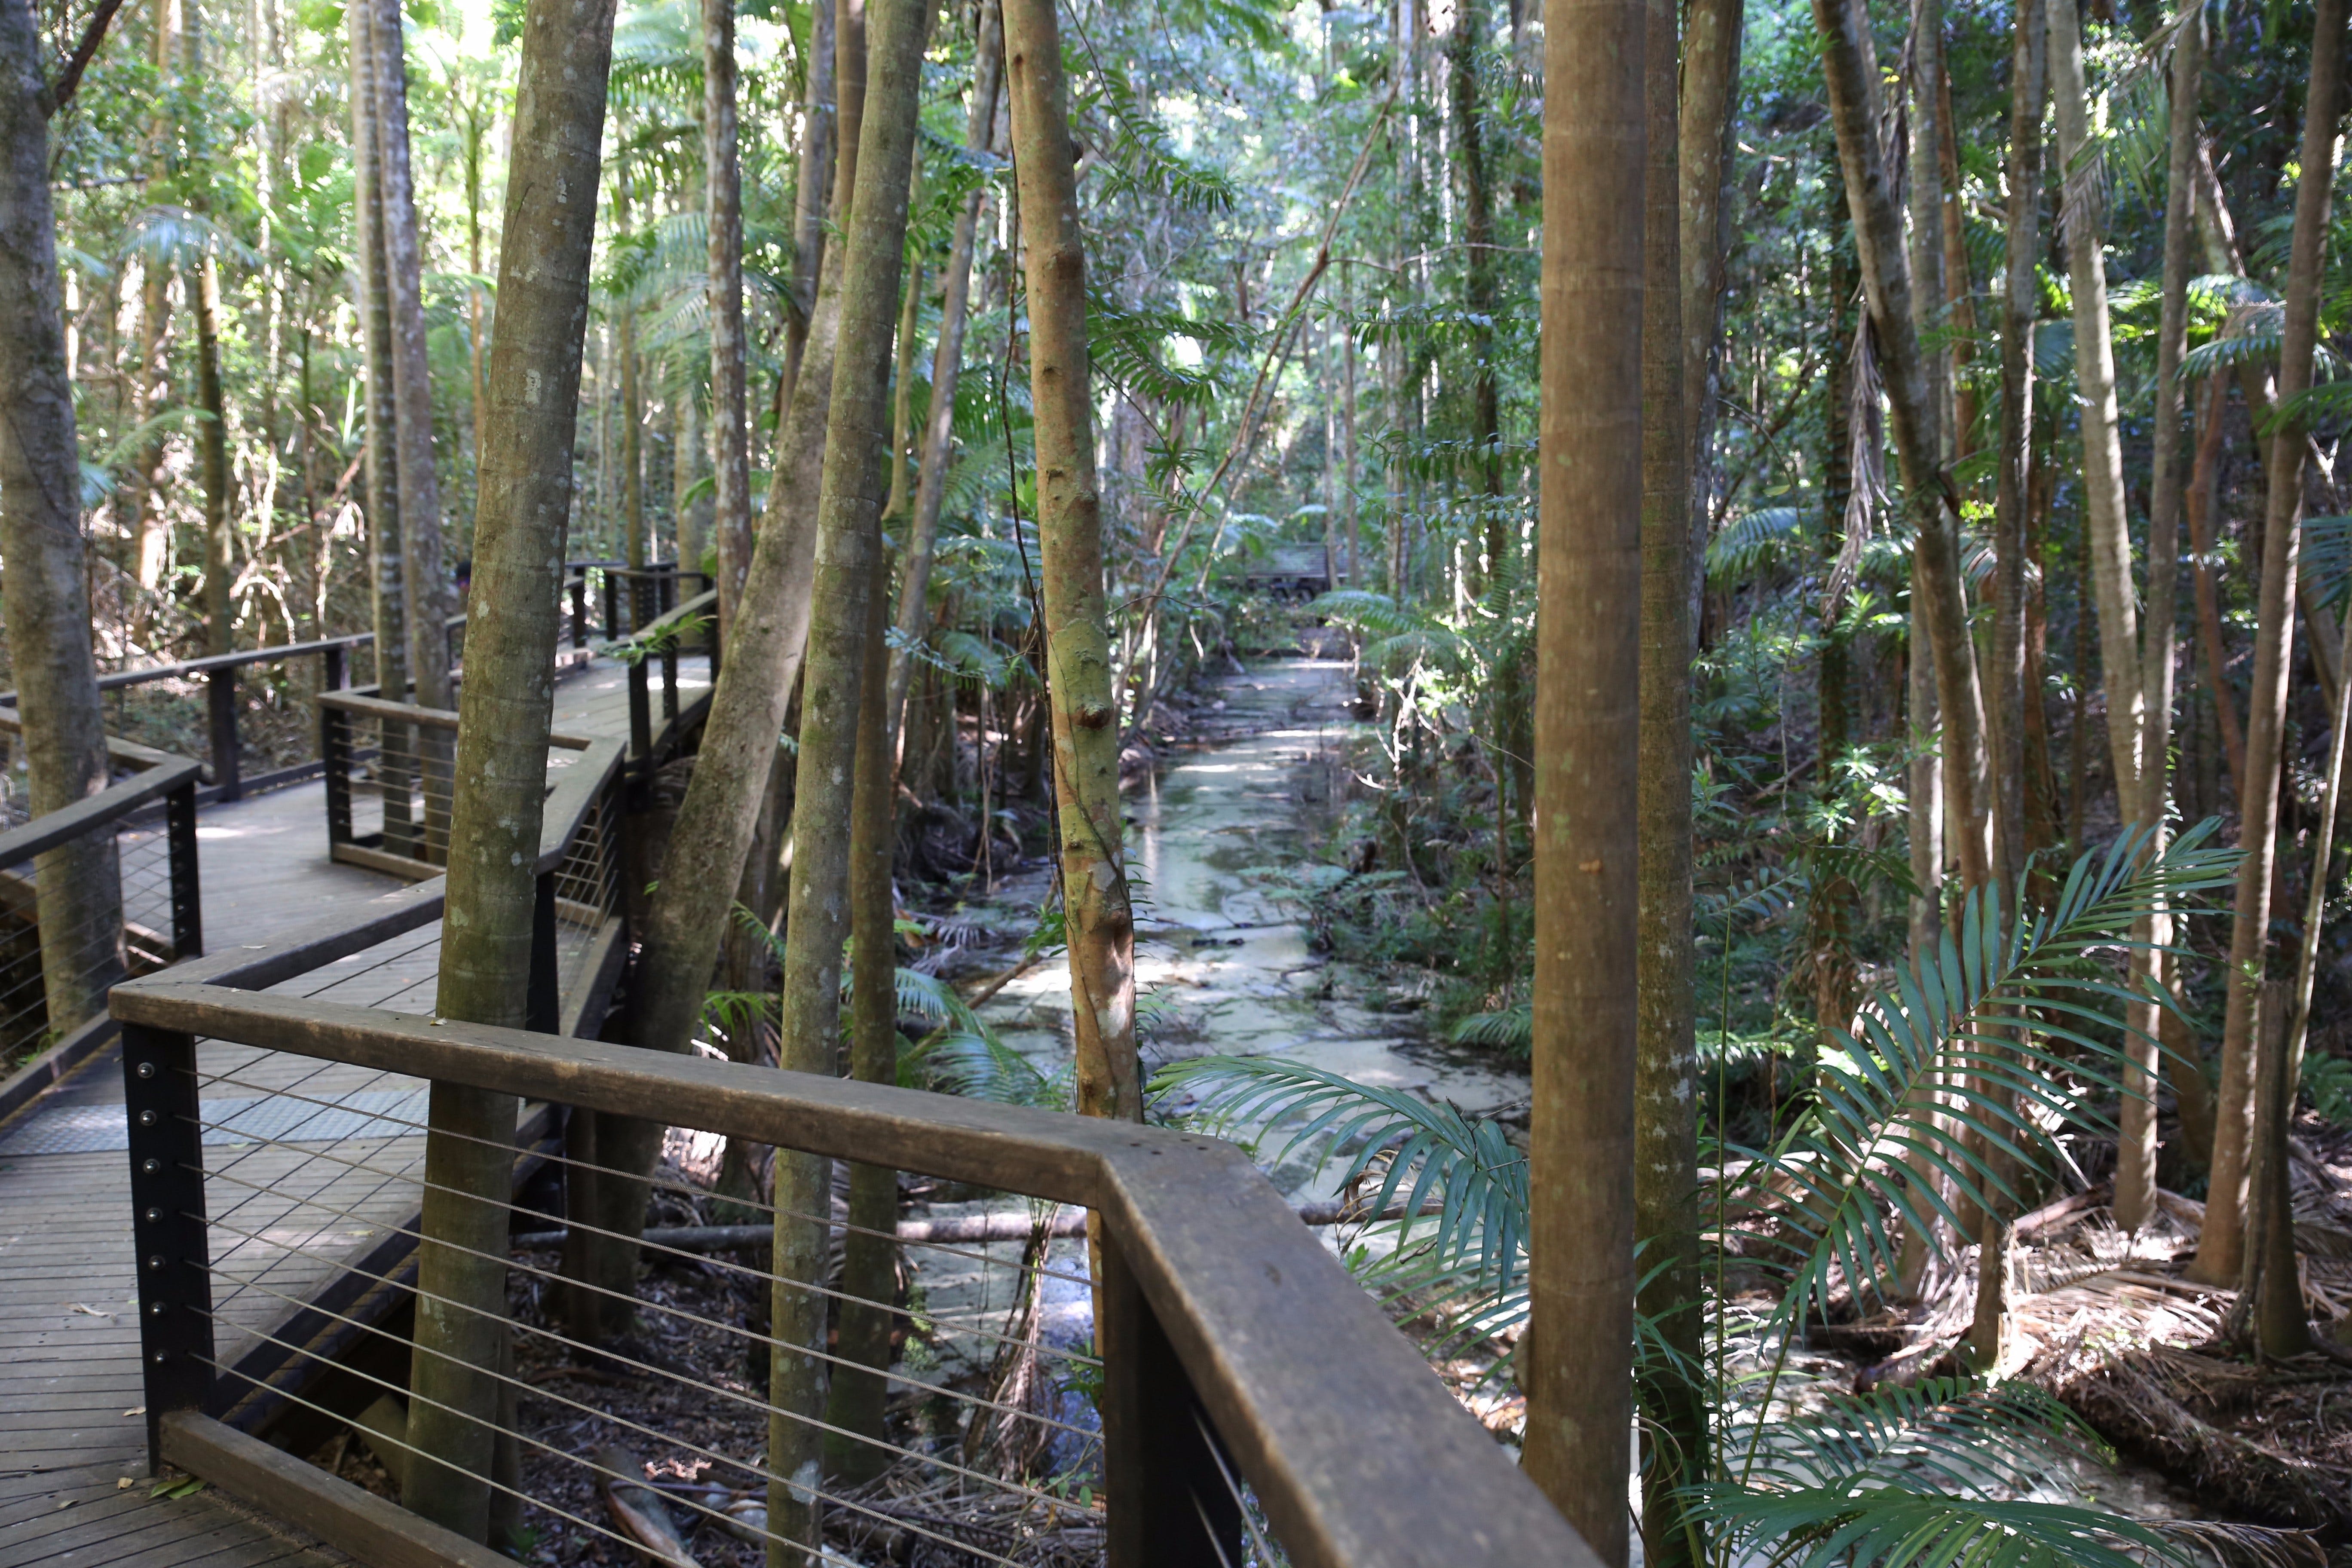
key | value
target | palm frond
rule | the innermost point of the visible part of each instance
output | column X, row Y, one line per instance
column 1962, row 1436
column 1432, row 1152
column 1870, row 1524
column 1842, row 1169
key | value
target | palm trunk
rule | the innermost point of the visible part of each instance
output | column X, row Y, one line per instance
column 730, row 435
column 1077, row 663
column 1666, row 1075
column 155, row 374
column 411, row 372
column 947, row 363
column 43, row 592
column 486, row 944
column 2143, row 1021
column 849, row 570
column 1852, row 67
column 2221, row 1250
column 1577, row 1364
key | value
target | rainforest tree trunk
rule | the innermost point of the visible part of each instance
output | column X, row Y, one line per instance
column 212, row 452
column 1852, row 66
column 1577, row 1359
column 854, row 1450
column 1665, row 1081
column 422, row 577
column 2220, row 1253
column 811, row 189
column 947, row 363
column 1069, row 531
column 2136, row 1147
column 1710, row 82
column 386, row 563
column 633, row 418
column 46, row 599
column 503, row 724
column 2028, row 66
column 723, row 196
column 849, row 569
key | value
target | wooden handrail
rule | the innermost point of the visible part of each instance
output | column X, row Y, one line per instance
column 1359, row 1454
column 53, row 828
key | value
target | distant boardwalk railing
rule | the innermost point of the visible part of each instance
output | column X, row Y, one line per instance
column 141, row 830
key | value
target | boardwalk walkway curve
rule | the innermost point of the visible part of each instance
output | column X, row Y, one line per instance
column 73, row 1441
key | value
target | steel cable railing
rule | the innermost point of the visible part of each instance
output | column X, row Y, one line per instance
column 1198, row 1385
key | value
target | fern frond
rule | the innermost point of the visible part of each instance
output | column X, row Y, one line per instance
column 1861, row 1523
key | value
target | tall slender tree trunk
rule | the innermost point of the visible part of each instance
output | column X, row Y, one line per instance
column 1851, row 62
column 730, row 434
column 2094, row 376
column 1711, row 81
column 503, row 722
column 2136, row 1149
column 423, row 575
column 2220, row 1253
column 849, row 571
column 155, row 371
column 812, row 188
column 1069, row 534
column 1665, row 1080
column 632, row 414
column 2201, row 502
column 44, row 594
column 477, row 341
column 211, row 453
column 853, row 1448
column 2029, row 67
column 947, row 363
column 1577, row 1362
column 385, row 560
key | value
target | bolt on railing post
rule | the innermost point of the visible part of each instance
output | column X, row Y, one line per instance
column 544, row 1006
column 1170, row 1503
column 187, row 896
column 167, row 1224
column 220, row 692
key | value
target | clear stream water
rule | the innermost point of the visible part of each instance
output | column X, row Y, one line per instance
column 1218, row 836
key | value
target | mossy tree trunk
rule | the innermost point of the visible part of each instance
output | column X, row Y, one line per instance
column 503, row 724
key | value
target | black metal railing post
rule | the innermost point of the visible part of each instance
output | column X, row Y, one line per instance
column 167, row 1224
column 578, row 588
column 612, row 605
column 1172, row 1504
column 641, row 714
column 220, row 692
column 187, row 896
column 335, row 757
column 669, row 677
column 543, row 1006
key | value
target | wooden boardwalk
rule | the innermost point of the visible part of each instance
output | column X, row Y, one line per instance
column 339, row 1167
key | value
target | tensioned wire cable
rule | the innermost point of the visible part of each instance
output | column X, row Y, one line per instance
column 539, row 1391
column 682, row 1189
column 544, row 1447
column 525, row 1498
column 669, row 1311
column 511, row 1207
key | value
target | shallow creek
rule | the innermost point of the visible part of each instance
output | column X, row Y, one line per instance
column 1217, row 837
